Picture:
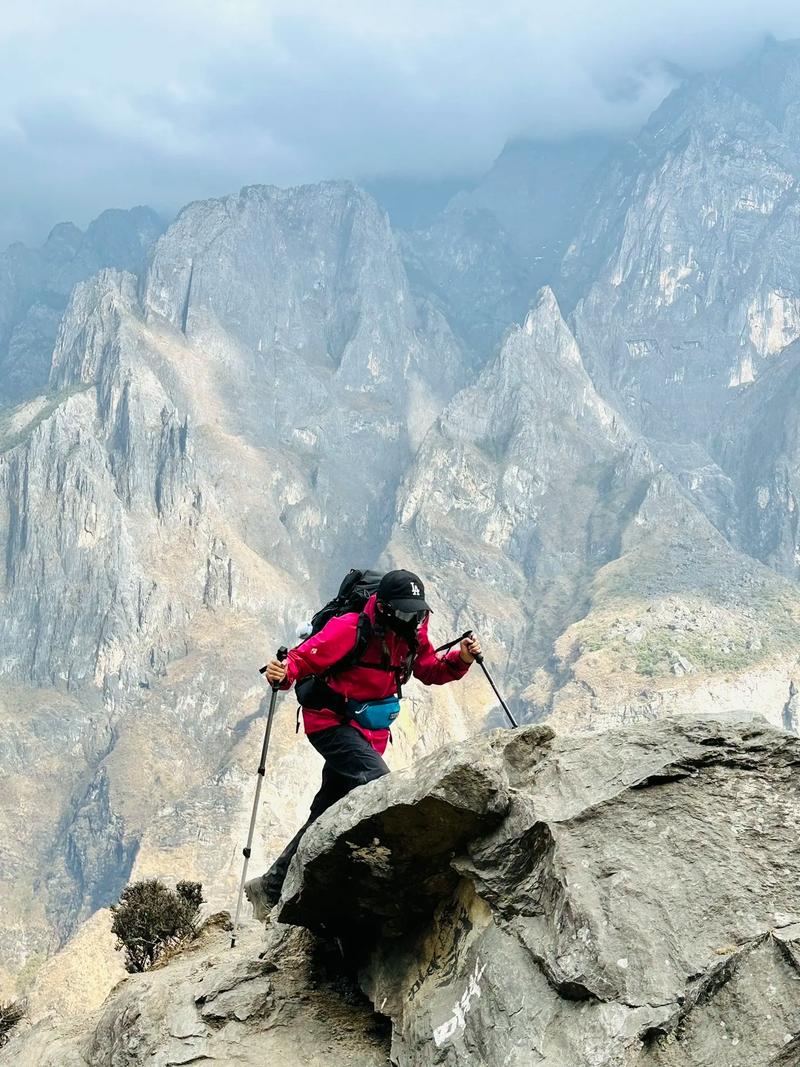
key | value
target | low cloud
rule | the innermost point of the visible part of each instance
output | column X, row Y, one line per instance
column 113, row 105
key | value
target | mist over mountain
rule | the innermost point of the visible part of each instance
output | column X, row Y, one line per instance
column 166, row 103
column 565, row 394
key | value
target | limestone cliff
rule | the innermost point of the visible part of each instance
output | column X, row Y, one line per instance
column 687, row 282
column 556, row 532
column 172, row 506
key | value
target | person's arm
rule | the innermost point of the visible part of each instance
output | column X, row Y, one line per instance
column 316, row 654
column 431, row 669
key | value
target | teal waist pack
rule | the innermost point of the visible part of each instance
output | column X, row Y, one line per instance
column 374, row 714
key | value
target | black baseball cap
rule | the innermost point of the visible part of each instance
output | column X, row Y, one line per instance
column 403, row 590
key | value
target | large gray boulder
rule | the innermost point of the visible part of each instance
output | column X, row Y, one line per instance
column 632, row 897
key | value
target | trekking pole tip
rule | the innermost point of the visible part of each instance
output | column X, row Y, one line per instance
column 479, row 659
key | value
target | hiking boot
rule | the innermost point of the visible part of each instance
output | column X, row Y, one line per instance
column 262, row 902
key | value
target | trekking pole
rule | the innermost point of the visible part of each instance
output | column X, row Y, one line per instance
column 479, row 659
column 281, row 655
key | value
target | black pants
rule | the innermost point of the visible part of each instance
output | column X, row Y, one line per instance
column 350, row 760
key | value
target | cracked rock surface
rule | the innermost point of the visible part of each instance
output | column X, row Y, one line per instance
column 630, row 898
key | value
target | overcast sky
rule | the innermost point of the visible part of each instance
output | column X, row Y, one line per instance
column 136, row 101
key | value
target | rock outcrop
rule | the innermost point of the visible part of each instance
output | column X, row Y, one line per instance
column 256, row 1004
column 625, row 898
column 628, row 899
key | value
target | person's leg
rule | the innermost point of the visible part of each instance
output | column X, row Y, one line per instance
column 348, row 753
column 350, row 761
column 331, row 790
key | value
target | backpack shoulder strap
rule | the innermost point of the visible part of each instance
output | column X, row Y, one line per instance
column 364, row 632
column 402, row 674
column 363, row 635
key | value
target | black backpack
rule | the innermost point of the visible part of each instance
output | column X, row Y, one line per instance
column 354, row 592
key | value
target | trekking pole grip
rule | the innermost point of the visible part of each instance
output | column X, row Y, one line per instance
column 281, row 655
column 479, row 657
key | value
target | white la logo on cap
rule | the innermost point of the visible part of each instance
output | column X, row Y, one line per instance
column 415, row 589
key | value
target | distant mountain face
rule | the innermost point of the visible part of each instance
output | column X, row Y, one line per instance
column 35, row 286
column 696, row 288
column 492, row 248
column 568, row 401
column 689, row 278
column 701, row 243
column 219, row 440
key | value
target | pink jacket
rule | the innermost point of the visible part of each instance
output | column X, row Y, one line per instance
column 336, row 639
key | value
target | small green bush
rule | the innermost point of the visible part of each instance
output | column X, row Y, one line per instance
column 10, row 1014
column 150, row 918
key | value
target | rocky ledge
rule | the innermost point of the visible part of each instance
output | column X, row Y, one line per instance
column 627, row 898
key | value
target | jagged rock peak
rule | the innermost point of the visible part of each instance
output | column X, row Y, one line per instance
column 123, row 238
column 545, row 324
column 770, row 78
column 260, row 193
column 64, row 236
column 539, row 372
column 90, row 326
column 280, row 269
column 35, row 285
column 117, row 236
column 765, row 86
column 252, row 201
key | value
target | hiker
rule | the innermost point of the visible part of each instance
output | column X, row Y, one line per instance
column 350, row 677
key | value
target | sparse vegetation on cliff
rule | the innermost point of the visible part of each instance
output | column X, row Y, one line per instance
column 150, row 918
column 11, row 1012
